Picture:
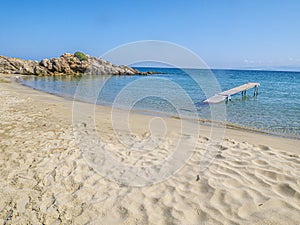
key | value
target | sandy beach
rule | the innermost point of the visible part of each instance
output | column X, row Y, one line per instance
column 46, row 178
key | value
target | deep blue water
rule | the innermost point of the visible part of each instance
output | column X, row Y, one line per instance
column 276, row 109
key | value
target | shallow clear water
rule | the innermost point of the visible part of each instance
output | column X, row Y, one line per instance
column 276, row 109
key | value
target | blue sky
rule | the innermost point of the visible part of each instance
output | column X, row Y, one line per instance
column 224, row 33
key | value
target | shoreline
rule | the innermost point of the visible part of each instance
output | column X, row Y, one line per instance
column 203, row 121
column 232, row 131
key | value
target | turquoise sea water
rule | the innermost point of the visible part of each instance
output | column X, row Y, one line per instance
column 276, row 109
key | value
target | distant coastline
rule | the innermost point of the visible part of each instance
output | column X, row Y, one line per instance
column 297, row 70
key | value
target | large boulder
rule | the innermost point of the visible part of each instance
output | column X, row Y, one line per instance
column 41, row 71
column 17, row 66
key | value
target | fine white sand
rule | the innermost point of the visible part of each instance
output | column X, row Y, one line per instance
column 45, row 178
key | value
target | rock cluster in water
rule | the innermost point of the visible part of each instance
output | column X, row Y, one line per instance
column 67, row 64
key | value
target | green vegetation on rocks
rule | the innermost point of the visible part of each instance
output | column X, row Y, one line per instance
column 81, row 56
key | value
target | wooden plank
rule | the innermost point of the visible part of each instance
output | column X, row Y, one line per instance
column 215, row 99
column 219, row 97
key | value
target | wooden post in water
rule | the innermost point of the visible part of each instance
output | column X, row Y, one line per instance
column 256, row 90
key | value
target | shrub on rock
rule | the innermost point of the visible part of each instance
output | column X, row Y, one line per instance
column 81, row 56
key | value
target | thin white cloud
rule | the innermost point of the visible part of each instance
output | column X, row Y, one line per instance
column 249, row 61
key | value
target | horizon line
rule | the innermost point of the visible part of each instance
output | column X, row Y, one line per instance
column 232, row 68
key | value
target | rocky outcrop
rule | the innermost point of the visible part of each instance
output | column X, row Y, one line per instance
column 66, row 64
